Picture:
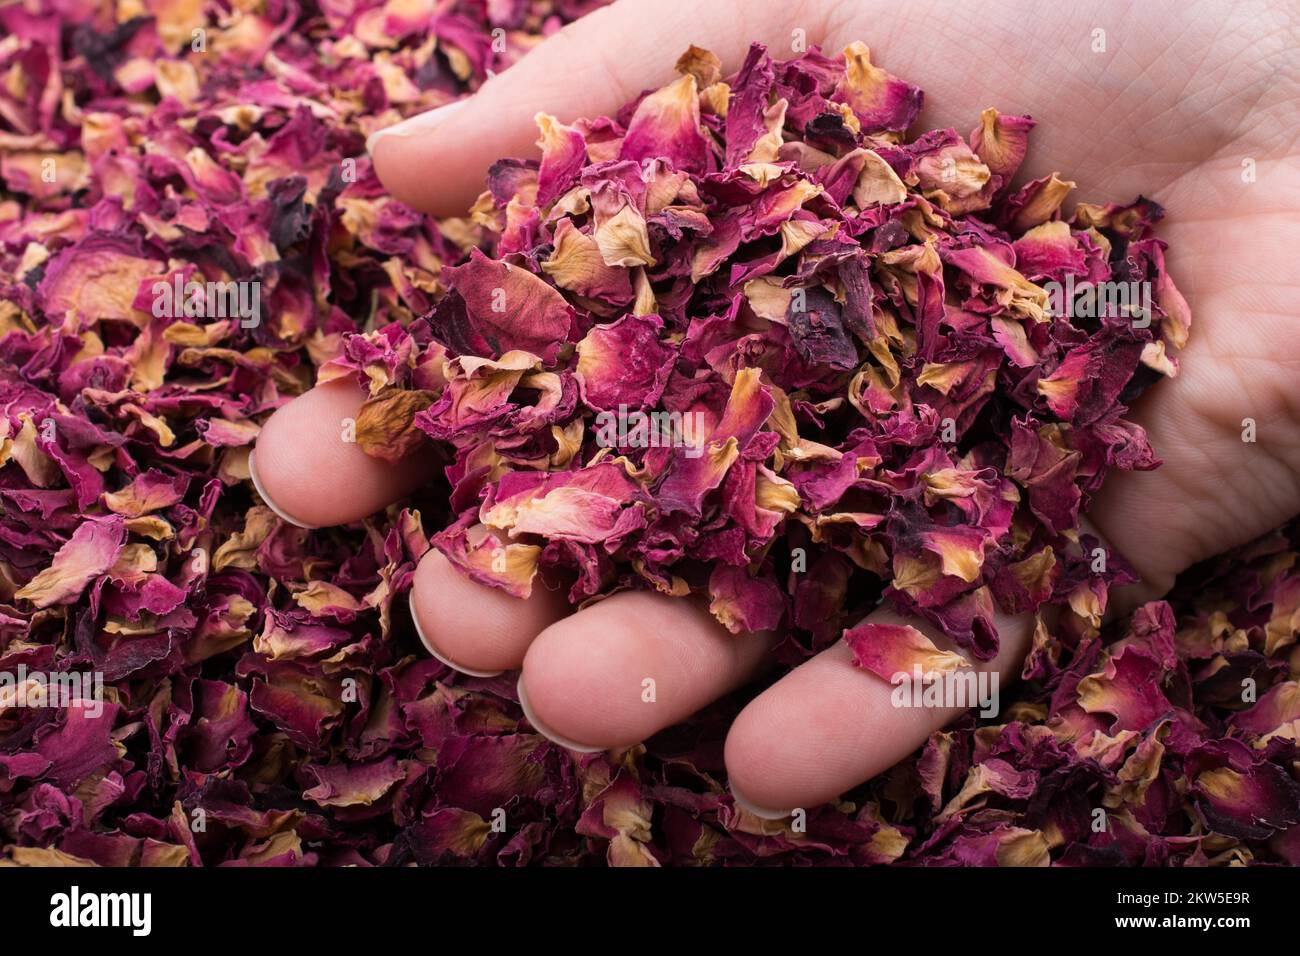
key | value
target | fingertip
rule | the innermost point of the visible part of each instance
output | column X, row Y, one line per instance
column 428, row 164
column 539, row 725
column 763, row 813
column 787, row 748
column 578, row 681
column 433, row 649
column 268, row 500
column 618, row 672
column 310, row 474
column 472, row 628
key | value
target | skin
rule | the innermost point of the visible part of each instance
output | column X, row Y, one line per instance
column 1182, row 95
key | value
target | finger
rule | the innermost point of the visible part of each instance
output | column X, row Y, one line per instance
column 476, row 629
column 310, row 476
column 437, row 161
column 828, row 725
column 621, row 670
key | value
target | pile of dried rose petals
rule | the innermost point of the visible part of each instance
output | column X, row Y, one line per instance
column 746, row 340
column 917, row 422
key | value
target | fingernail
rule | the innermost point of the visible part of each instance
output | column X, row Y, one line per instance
column 421, row 123
column 428, row 646
column 545, row 731
column 266, row 499
column 761, row 812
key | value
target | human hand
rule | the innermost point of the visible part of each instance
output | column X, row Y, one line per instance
column 1171, row 116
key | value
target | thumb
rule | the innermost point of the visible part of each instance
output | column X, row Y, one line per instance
column 437, row 161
